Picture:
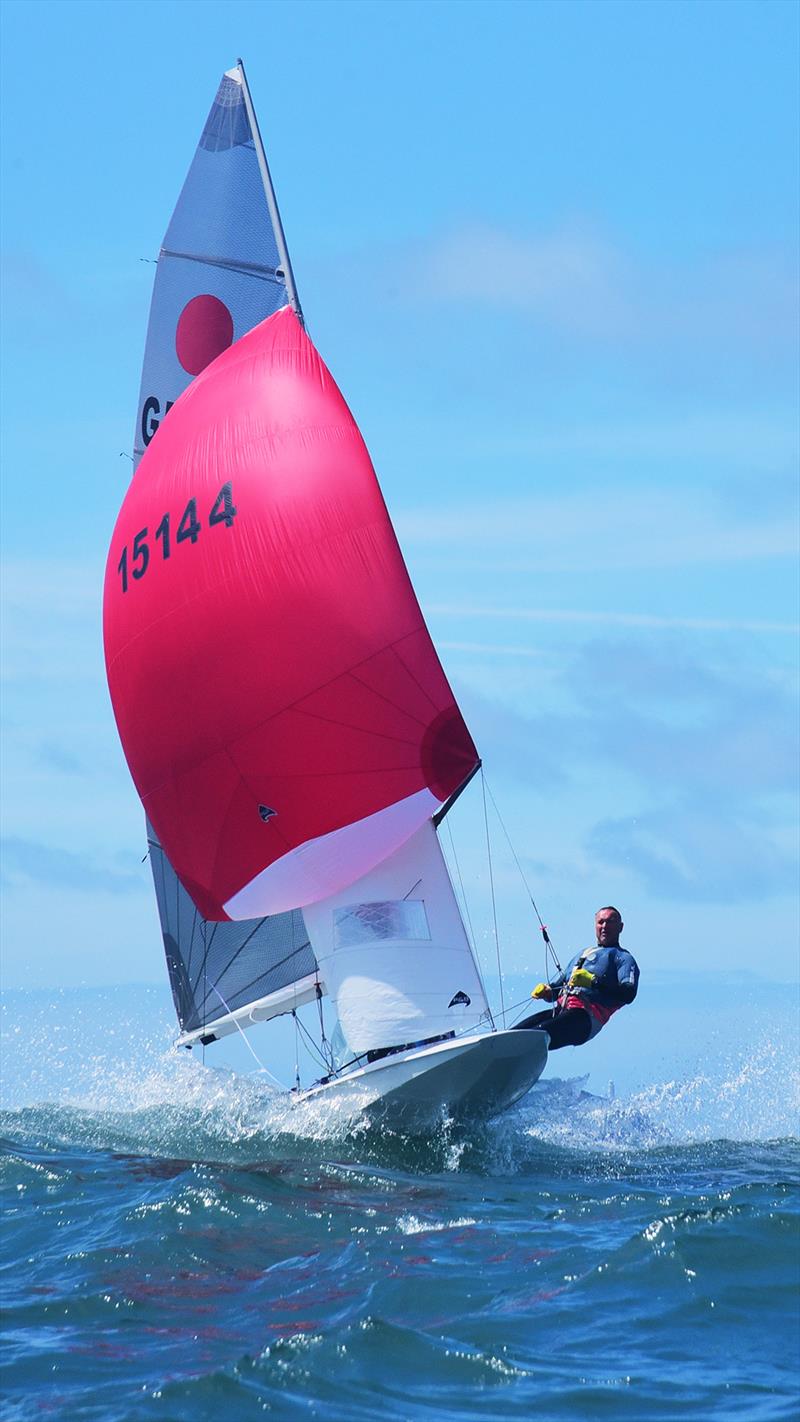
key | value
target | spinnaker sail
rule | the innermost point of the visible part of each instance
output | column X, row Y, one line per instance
column 284, row 714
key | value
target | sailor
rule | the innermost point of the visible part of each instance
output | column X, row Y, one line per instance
column 593, row 986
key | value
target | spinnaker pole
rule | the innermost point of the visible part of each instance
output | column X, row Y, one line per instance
column 272, row 201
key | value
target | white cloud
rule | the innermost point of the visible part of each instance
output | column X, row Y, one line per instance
column 576, row 279
column 489, row 648
column 584, row 530
column 573, row 277
column 594, row 618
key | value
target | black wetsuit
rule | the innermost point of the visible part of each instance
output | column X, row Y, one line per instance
column 579, row 1013
column 570, row 1028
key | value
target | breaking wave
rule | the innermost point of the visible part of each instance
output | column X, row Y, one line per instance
column 157, row 1101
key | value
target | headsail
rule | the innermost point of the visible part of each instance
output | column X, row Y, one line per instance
column 223, row 264
column 396, row 959
column 284, row 714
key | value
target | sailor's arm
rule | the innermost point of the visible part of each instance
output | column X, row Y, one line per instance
column 624, row 989
column 549, row 991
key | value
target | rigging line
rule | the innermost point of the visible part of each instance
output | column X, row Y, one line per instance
column 494, row 903
column 471, row 935
column 207, row 944
column 242, row 945
column 542, row 925
column 311, row 1044
column 328, row 1054
column 515, row 1007
column 296, row 1050
column 248, row 1043
column 177, row 907
column 205, row 996
column 461, row 883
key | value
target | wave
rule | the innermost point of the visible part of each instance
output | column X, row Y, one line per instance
column 178, row 1109
column 94, row 1079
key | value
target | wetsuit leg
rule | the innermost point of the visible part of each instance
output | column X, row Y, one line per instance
column 570, row 1029
column 539, row 1019
column 567, row 1029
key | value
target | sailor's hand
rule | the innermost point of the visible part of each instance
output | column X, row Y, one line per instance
column 581, row 978
column 542, row 990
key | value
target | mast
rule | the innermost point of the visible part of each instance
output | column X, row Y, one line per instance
column 272, row 201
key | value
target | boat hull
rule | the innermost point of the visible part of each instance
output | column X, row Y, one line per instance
column 470, row 1078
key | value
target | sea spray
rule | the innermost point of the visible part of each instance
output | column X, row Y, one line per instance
column 180, row 1240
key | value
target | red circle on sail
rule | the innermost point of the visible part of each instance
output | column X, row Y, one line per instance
column 204, row 331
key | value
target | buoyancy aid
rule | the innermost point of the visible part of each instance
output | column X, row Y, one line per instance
column 616, row 982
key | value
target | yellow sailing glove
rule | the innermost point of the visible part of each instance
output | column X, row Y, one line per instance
column 581, row 978
column 541, row 990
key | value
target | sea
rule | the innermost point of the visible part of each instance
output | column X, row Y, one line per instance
column 179, row 1242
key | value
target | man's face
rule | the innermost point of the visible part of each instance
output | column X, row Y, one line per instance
column 608, row 926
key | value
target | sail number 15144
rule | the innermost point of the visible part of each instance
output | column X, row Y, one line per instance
column 188, row 530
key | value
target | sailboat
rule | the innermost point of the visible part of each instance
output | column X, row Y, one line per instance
column 282, row 709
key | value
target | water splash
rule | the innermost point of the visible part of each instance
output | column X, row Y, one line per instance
column 134, row 1093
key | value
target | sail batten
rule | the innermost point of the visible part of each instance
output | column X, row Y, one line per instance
column 256, row 269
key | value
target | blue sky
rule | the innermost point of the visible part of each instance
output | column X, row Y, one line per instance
column 549, row 252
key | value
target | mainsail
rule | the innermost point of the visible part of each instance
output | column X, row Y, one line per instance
column 228, row 974
column 223, row 264
column 281, row 705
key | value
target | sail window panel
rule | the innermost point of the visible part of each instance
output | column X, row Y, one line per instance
column 393, row 919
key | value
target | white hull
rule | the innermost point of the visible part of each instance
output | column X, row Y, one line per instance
column 471, row 1078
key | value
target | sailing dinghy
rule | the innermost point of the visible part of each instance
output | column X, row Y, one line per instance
column 284, row 714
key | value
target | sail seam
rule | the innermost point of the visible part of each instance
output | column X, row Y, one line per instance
column 352, row 726
column 394, row 704
column 407, row 669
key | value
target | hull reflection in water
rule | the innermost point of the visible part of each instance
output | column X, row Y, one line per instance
column 475, row 1077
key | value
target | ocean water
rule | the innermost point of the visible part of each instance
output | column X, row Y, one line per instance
column 178, row 1243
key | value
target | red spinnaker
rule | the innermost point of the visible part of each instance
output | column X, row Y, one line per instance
column 274, row 684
